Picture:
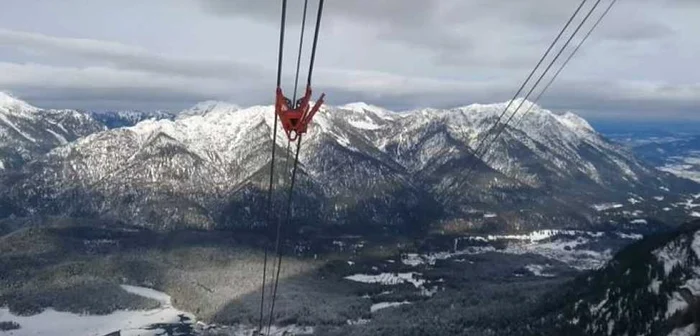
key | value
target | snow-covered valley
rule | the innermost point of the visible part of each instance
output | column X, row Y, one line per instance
column 128, row 323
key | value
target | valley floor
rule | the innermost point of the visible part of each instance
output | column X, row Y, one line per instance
column 472, row 283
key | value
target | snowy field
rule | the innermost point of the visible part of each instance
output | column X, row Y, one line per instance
column 130, row 323
column 567, row 246
column 687, row 167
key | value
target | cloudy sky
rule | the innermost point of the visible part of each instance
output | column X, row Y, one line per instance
column 641, row 63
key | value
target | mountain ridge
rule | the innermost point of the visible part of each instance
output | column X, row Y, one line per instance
column 27, row 131
column 359, row 164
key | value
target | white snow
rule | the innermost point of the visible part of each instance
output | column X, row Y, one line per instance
column 670, row 256
column 209, row 106
column 693, row 285
column 4, row 119
column 358, row 321
column 361, row 124
column 633, row 200
column 539, row 270
column 575, row 122
column 565, row 248
column 654, row 286
column 62, row 140
column 412, row 259
column 389, row 278
column 149, row 293
column 695, row 245
column 639, row 221
column 689, row 330
column 9, row 103
column 695, row 214
column 382, row 305
column 634, row 236
column 131, row 323
column 659, row 198
column 364, row 107
column 490, row 215
column 606, row 206
column 675, row 303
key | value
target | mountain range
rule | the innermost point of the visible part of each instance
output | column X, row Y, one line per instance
column 361, row 167
column 27, row 132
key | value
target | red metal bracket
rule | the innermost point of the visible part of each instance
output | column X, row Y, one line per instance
column 295, row 120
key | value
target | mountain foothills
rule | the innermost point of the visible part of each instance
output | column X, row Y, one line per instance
column 360, row 164
column 651, row 287
column 27, row 132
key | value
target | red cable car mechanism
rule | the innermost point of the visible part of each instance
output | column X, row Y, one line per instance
column 295, row 120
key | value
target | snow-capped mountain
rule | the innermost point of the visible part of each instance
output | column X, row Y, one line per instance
column 651, row 287
column 205, row 107
column 360, row 164
column 125, row 118
column 27, row 131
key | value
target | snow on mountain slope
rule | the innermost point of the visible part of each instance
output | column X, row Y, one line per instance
column 362, row 107
column 125, row 118
column 27, row 131
column 359, row 164
column 205, row 107
column 199, row 169
column 651, row 287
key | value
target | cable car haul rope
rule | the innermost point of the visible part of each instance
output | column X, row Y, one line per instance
column 294, row 115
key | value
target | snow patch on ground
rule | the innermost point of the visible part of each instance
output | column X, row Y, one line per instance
column 383, row 305
column 539, row 270
column 689, row 330
column 389, row 278
column 693, row 285
column 131, row 323
column 670, row 256
column 59, row 137
column 638, row 221
column 361, row 124
column 675, row 303
column 654, row 286
column 695, row 214
column 695, row 245
column 19, row 131
column 606, row 206
column 634, row 236
column 358, row 321
column 633, row 201
column 561, row 245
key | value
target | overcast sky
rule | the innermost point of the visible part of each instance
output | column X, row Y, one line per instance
column 641, row 63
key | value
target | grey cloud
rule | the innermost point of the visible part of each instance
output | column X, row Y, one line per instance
column 127, row 57
column 416, row 22
column 639, row 31
column 398, row 53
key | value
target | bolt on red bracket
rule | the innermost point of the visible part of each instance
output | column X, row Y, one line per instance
column 296, row 120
